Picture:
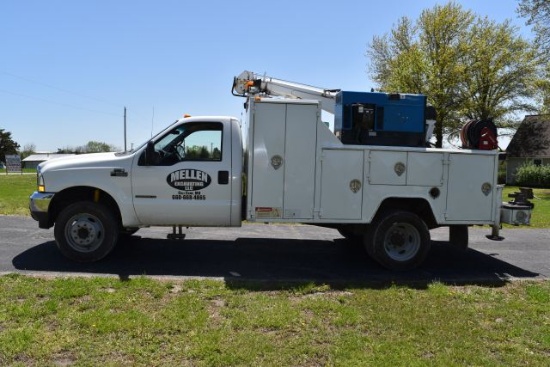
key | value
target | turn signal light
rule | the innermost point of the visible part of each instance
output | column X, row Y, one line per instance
column 40, row 183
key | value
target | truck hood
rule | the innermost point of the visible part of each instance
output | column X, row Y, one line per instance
column 92, row 160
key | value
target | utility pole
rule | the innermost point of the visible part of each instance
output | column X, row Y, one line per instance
column 125, row 128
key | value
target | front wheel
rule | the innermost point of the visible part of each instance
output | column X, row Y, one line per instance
column 85, row 231
column 398, row 240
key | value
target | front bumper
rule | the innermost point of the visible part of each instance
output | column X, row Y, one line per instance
column 39, row 203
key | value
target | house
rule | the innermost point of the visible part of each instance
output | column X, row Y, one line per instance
column 530, row 144
column 34, row 160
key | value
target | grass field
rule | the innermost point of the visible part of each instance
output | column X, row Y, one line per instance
column 143, row 322
column 541, row 214
column 15, row 190
column 146, row 322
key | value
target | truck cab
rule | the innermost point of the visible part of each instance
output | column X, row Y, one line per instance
column 189, row 174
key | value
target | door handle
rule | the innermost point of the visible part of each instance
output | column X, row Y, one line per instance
column 223, row 177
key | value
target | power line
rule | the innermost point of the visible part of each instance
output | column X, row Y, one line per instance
column 58, row 103
column 59, row 89
column 70, row 92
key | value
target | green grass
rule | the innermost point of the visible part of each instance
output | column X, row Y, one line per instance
column 541, row 215
column 15, row 190
column 144, row 322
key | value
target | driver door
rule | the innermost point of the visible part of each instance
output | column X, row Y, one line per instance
column 182, row 178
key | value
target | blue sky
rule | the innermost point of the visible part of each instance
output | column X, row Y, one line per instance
column 68, row 68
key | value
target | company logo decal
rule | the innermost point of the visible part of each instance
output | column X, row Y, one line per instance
column 189, row 179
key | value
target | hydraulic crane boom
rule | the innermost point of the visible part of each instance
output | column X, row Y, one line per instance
column 249, row 84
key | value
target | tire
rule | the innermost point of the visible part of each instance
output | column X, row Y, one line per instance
column 458, row 237
column 398, row 240
column 368, row 240
column 86, row 231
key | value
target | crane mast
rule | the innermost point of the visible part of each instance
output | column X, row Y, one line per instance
column 249, row 84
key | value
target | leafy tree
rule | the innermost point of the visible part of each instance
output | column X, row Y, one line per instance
column 537, row 13
column 7, row 145
column 538, row 16
column 543, row 86
column 467, row 66
column 65, row 150
column 97, row 147
column 216, row 154
column 90, row 147
column 197, row 152
column 500, row 70
column 204, row 153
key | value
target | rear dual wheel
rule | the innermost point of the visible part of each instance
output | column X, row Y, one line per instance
column 398, row 240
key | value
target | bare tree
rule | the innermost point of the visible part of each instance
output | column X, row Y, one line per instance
column 28, row 149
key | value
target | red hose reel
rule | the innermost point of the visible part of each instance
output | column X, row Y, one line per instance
column 479, row 134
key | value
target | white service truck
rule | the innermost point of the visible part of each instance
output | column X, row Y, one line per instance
column 374, row 179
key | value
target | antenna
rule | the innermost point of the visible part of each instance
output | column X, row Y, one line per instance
column 152, row 121
column 125, row 129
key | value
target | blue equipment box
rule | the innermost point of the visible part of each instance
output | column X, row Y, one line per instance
column 372, row 118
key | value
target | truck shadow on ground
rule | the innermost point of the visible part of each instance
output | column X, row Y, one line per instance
column 260, row 263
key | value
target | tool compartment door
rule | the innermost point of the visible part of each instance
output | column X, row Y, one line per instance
column 300, row 147
column 471, row 187
column 283, row 143
column 342, row 184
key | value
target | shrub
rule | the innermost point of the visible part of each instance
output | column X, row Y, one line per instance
column 533, row 176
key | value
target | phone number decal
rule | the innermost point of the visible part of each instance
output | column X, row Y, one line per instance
column 189, row 196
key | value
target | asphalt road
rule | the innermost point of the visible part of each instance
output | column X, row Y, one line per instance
column 278, row 254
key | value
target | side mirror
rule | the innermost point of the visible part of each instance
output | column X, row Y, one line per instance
column 149, row 156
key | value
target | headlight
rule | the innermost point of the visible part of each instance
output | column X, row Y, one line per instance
column 40, row 183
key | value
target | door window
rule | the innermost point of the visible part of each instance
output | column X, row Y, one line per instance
column 187, row 142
